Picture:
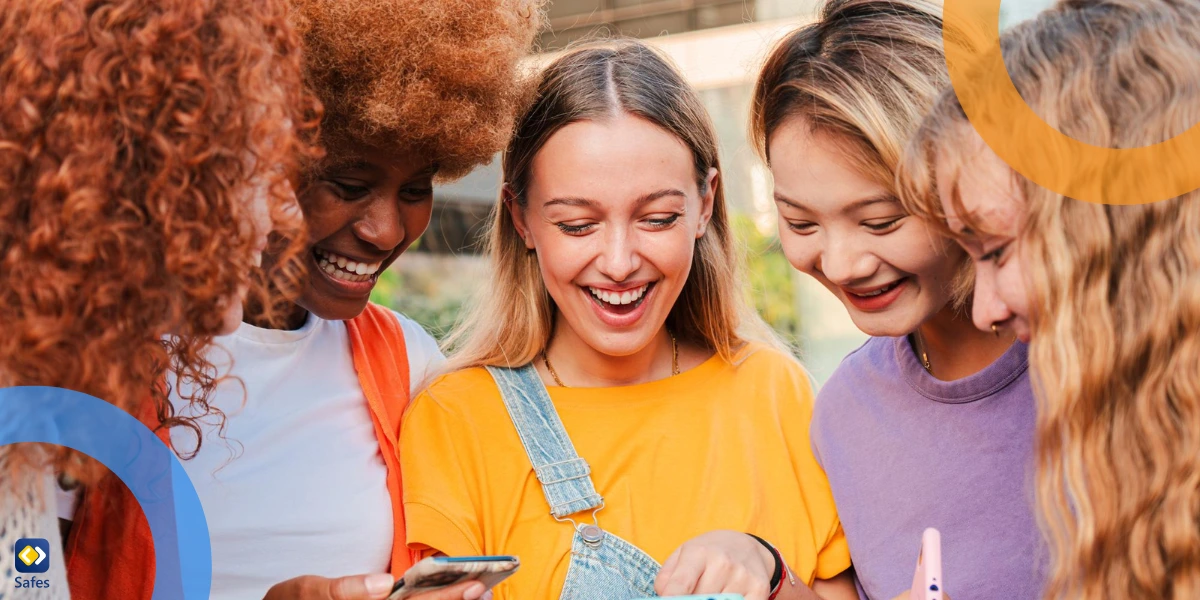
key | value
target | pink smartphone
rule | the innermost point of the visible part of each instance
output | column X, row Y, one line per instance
column 927, row 581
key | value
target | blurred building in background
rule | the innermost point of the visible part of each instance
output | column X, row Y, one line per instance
column 719, row 46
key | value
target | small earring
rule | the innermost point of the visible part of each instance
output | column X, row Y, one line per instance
column 995, row 331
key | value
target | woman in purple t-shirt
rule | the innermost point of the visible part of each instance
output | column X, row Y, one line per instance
column 931, row 422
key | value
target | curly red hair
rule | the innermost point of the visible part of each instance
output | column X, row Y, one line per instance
column 439, row 78
column 132, row 133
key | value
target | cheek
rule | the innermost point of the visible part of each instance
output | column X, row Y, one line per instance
column 921, row 253
column 801, row 251
column 669, row 253
column 1012, row 288
column 562, row 258
column 323, row 213
column 416, row 219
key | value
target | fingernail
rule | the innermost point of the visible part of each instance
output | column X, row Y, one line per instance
column 486, row 595
column 377, row 585
column 475, row 592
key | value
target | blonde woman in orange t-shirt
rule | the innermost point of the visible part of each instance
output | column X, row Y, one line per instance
column 607, row 409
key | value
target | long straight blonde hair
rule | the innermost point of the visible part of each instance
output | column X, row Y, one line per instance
column 1115, row 293
column 511, row 321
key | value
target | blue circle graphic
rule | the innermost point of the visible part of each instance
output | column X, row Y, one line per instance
column 182, row 551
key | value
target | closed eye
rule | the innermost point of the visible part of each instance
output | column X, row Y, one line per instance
column 994, row 255
column 883, row 226
column 349, row 191
column 665, row 222
column 575, row 229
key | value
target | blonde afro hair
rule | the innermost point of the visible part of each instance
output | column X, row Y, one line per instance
column 436, row 77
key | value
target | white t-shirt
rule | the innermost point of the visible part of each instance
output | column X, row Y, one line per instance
column 297, row 486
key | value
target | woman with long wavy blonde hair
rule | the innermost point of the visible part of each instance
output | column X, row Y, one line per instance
column 1108, row 295
column 146, row 151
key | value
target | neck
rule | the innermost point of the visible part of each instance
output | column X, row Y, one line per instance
column 294, row 317
column 579, row 365
column 955, row 348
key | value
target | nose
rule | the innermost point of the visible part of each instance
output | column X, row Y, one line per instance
column 619, row 258
column 381, row 225
column 845, row 261
column 988, row 308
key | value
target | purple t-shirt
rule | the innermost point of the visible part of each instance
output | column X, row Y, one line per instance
column 904, row 451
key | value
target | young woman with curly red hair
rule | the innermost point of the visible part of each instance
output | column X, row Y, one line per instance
column 300, row 482
column 145, row 149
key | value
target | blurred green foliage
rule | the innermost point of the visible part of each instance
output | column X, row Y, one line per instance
column 771, row 280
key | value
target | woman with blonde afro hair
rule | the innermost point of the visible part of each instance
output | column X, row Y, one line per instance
column 145, row 154
column 300, row 482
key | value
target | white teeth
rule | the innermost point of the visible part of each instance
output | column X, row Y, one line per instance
column 344, row 268
column 619, row 298
column 886, row 288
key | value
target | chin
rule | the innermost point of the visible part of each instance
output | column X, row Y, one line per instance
column 892, row 323
column 232, row 320
column 330, row 310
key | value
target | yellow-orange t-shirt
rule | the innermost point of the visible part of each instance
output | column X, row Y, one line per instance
column 721, row 446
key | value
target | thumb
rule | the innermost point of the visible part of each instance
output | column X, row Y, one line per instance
column 360, row 587
column 312, row 587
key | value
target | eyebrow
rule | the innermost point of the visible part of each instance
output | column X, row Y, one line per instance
column 644, row 199
column 853, row 206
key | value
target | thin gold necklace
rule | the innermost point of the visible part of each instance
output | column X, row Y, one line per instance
column 674, row 361
column 920, row 348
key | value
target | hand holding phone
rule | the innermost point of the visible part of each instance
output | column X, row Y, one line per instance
column 927, row 581
column 438, row 572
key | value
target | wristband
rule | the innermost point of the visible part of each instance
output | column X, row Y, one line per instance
column 777, row 576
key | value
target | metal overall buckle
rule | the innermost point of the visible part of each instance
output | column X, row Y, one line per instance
column 592, row 535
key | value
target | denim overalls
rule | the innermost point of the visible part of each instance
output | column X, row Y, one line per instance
column 603, row 566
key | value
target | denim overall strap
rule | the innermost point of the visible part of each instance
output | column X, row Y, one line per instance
column 565, row 477
column 603, row 565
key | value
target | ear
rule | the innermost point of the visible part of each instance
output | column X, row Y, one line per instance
column 517, row 212
column 706, row 207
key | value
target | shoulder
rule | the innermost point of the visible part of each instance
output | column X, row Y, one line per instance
column 414, row 334
column 465, row 394
column 874, row 355
column 772, row 372
column 762, row 360
column 857, row 377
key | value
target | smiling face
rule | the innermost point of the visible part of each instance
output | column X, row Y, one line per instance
column 992, row 199
column 362, row 213
column 613, row 209
column 890, row 270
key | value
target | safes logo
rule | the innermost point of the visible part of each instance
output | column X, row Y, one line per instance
column 33, row 555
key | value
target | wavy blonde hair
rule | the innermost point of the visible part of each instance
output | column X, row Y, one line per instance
column 512, row 321
column 1115, row 297
column 866, row 72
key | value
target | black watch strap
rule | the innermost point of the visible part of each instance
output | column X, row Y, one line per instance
column 777, row 575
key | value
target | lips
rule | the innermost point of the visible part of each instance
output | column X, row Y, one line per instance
column 344, row 268
column 620, row 308
column 878, row 298
column 345, row 276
